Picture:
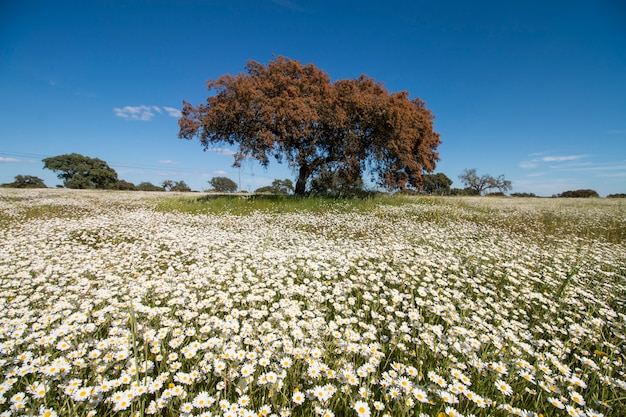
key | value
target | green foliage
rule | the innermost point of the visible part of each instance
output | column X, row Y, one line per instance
column 78, row 171
column 279, row 187
column 247, row 204
column 523, row 195
column 223, row 185
column 148, row 186
column 169, row 185
column 579, row 194
column 437, row 184
column 463, row 191
column 408, row 192
column 282, row 186
column 25, row 181
column 124, row 186
column 336, row 183
column 619, row 195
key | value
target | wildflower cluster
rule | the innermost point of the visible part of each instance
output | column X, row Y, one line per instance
column 110, row 307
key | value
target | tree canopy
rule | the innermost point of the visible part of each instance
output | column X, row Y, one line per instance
column 223, row 184
column 292, row 112
column 281, row 187
column 436, row 184
column 78, row 171
column 586, row 193
column 169, row 185
column 478, row 185
column 25, row 181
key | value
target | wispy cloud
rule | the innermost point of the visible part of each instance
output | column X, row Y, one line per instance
column 219, row 172
column 222, row 151
column 537, row 159
column 595, row 168
column 167, row 161
column 4, row 160
column 143, row 112
column 528, row 164
column 173, row 112
column 561, row 158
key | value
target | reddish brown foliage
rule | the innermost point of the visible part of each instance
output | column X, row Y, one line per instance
column 289, row 111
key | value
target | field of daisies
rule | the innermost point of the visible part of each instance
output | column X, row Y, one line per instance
column 122, row 304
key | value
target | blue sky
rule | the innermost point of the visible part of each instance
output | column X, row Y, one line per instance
column 534, row 90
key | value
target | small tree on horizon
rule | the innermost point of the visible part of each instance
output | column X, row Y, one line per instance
column 281, row 187
column 169, row 185
column 223, row 185
column 25, row 181
column 478, row 185
column 586, row 193
column 438, row 184
column 148, row 186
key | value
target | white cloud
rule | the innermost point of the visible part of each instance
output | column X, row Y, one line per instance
column 536, row 160
column 561, row 158
column 219, row 172
column 173, row 112
column 167, row 161
column 143, row 112
column 13, row 160
column 222, row 151
column 527, row 164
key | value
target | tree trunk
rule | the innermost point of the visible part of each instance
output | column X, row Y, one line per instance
column 303, row 176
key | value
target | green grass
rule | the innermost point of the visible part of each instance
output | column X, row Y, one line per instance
column 244, row 205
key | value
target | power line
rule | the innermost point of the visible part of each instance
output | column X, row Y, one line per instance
column 112, row 164
column 167, row 168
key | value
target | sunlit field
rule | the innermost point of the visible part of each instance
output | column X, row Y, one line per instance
column 116, row 303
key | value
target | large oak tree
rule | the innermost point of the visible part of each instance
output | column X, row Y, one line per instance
column 289, row 111
column 79, row 171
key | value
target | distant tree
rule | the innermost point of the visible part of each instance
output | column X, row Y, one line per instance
column 148, row 186
column 169, row 185
column 26, row 181
column 281, row 187
column 579, row 194
column 223, row 185
column 523, row 195
column 180, row 186
column 620, row 195
column 438, row 184
column 462, row 191
column 338, row 183
column 503, row 185
column 478, row 185
column 78, row 171
column 285, row 110
column 124, row 185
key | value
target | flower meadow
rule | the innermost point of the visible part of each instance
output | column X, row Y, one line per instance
column 448, row 307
